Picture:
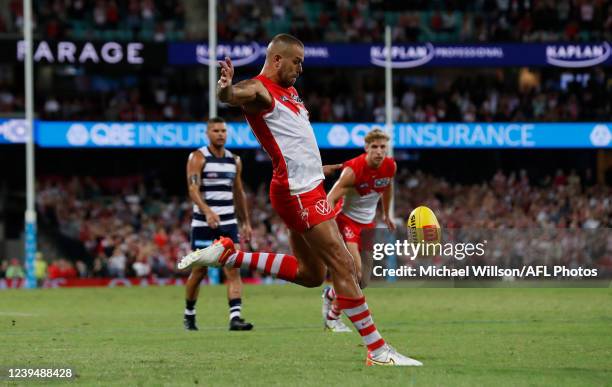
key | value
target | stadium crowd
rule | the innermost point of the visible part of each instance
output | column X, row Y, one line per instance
column 420, row 20
column 338, row 95
column 317, row 20
column 146, row 20
column 129, row 230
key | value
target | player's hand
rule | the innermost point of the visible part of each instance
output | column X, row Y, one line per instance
column 329, row 170
column 212, row 219
column 246, row 232
column 227, row 73
column 390, row 223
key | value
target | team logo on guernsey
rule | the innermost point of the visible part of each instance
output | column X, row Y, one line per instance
column 294, row 97
column 379, row 183
column 348, row 233
column 323, row 207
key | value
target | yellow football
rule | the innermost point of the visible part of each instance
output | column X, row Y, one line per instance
column 423, row 226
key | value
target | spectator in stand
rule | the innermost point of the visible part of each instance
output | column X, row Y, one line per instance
column 15, row 270
column 40, row 269
column 62, row 268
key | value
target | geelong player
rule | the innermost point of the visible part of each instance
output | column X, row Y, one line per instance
column 364, row 181
column 213, row 179
column 280, row 122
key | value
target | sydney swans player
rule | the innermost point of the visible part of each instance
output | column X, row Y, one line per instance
column 364, row 181
column 280, row 122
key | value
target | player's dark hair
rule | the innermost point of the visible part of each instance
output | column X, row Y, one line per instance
column 287, row 39
column 216, row 120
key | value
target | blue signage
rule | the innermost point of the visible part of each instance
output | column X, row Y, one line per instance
column 137, row 134
column 329, row 136
column 568, row 55
column 472, row 135
column 13, row 131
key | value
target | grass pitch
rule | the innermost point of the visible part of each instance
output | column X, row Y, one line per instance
column 465, row 337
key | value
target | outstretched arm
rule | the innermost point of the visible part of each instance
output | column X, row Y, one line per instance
column 247, row 92
column 346, row 181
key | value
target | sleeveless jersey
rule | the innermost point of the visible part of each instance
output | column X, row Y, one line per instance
column 217, row 188
column 360, row 202
column 285, row 133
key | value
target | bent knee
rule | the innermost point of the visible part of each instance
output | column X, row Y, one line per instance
column 312, row 283
column 313, row 280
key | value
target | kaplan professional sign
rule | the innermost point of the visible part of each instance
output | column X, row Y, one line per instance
column 329, row 136
column 571, row 55
column 13, row 131
column 87, row 52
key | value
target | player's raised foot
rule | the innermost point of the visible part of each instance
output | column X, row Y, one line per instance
column 189, row 321
column 388, row 356
column 214, row 255
column 336, row 326
column 238, row 324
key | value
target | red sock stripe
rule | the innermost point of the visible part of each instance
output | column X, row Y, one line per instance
column 239, row 257
column 360, row 316
column 288, row 268
column 269, row 262
column 375, row 345
column 332, row 316
column 367, row 330
column 348, row 302
column 331, row 294
column 254, row 259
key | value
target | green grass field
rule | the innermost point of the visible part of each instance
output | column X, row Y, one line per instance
column 465, row 337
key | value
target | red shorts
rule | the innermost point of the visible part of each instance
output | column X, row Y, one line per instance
column 303, row 211
column 350, row 229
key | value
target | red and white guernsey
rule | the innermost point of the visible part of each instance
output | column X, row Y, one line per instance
column 359, row 203
column 284, row 131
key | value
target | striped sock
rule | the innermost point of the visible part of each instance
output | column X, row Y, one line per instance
column 334, row 312
column 357, row 311
column 190, row 307
column 330, row 293
column 281, row 266
column 235, row 307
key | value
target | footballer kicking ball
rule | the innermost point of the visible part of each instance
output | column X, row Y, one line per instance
column 423, row 226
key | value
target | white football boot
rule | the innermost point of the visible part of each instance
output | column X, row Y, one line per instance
column 336, row 326
column 214, row 255
column 390, row 357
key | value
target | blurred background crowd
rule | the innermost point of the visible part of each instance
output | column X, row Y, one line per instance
column 318, row 20
column 119, row 227
column 130, row 225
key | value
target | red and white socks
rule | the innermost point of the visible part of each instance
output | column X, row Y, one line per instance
column 356, row 309
column 281, row 266
column 334, row 312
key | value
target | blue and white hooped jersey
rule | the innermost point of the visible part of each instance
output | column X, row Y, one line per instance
column 216, row 187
